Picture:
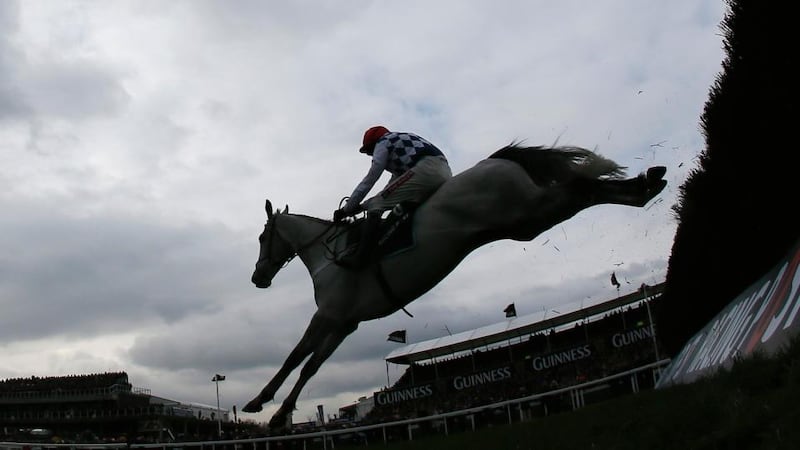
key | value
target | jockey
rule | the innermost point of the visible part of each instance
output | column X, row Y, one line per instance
column 418, row 168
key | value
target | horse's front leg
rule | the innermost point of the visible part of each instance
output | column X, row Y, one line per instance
column 328, row 345
column 312, row 338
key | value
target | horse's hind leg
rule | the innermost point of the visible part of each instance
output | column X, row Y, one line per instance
column 314, row 334
column 326, row 348
column 633, row 191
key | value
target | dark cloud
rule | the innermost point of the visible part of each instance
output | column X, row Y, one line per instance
column 226, row 340
column 83, row 276
column 300, row 19
column 71, row 88
column 11, row 101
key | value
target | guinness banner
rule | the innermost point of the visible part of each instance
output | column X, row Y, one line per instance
column 480, row 378
column 555, row 359
column 394, row 396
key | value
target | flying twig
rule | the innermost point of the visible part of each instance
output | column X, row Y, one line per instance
column 658, row 200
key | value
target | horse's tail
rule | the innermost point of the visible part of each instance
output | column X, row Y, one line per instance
column 548, row 165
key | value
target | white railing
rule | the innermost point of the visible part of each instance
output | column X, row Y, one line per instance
column 577, row 396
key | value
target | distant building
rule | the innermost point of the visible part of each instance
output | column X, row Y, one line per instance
column 357, row 411
column 97, row 407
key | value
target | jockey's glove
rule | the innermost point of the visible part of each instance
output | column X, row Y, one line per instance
column 339, row 215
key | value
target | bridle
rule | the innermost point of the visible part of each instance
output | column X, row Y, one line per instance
column 270, row 229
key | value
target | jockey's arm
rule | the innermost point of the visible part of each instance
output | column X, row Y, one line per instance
column 380, row 158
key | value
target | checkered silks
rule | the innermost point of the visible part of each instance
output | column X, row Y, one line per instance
column 405, row 150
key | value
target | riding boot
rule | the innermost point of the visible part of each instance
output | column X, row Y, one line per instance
column 367, row 244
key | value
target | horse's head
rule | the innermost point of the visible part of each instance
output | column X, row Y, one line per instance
column 275, row 252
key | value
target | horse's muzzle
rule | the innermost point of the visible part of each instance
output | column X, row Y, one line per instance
column 260, row 283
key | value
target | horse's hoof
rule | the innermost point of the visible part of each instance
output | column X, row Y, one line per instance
column 656, row 187
column 277, row 425
column 656, row 173
column 253, row 407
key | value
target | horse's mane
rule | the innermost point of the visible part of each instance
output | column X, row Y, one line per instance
column 315, row 219
column 548, row 165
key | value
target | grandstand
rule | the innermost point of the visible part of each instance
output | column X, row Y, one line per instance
column 523, row 356
column 97, row 407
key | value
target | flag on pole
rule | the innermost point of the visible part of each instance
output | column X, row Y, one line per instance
column 397, row 336
column 614, row 280
column 218, row 377
column 511, row 310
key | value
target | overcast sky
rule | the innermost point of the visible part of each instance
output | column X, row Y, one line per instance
column 139, row 139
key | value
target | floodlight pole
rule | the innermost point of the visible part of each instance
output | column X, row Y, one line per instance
column 219, row 414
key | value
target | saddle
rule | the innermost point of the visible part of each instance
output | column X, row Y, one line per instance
column 395, row 233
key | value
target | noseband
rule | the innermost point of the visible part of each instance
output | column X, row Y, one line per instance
column 269, row 228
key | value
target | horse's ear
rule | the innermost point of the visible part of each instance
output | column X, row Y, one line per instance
column 286, row 209
column 268, row 208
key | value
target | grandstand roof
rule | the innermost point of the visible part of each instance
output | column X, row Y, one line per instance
column 510, row 329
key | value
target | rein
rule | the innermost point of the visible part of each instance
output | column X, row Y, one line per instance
column 273, row 231
column 384, row 284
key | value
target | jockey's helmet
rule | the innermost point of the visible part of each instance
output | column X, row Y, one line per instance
column 371, row 136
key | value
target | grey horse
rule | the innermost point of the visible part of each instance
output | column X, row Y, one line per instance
column 517, row 193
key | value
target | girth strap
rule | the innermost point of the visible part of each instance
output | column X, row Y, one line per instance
column 387, row 290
